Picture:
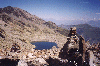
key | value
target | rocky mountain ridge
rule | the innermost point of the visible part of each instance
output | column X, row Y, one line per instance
column 19, row 28
column 15, row 21
column 94, row 23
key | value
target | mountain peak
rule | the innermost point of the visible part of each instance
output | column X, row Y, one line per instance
column 17, row 12
column 7, row 9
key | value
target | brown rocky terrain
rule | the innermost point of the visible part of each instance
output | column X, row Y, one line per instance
column 19, row 26
column 18, row 29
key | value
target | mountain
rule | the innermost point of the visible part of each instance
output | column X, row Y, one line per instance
column 94, row 23
column 19, row 27
column 87, row 31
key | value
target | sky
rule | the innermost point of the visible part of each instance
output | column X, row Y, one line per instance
column 59, row 11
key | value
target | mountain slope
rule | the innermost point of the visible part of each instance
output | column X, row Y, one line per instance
column 94, row 23
column 17, row 26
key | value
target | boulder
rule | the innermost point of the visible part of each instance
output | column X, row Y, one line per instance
column 32, row 50
column 30, row 55
column 22, row 63
column 41, row 60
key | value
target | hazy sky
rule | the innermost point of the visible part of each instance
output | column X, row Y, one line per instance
column 58, row 10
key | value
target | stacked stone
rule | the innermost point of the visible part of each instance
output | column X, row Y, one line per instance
column 75, row 49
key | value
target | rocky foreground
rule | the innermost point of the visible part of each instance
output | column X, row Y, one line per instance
column 18, row 29
column 75, row 52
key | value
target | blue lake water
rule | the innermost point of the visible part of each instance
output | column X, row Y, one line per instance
column 44, row 45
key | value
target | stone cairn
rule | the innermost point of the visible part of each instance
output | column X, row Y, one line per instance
column 75, row 49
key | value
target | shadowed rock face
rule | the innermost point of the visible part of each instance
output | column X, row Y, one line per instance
column 2, row 33
column 15, row 48
column 8, row 62
column 81, row 45
column 56, row 62
column 64, row 51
